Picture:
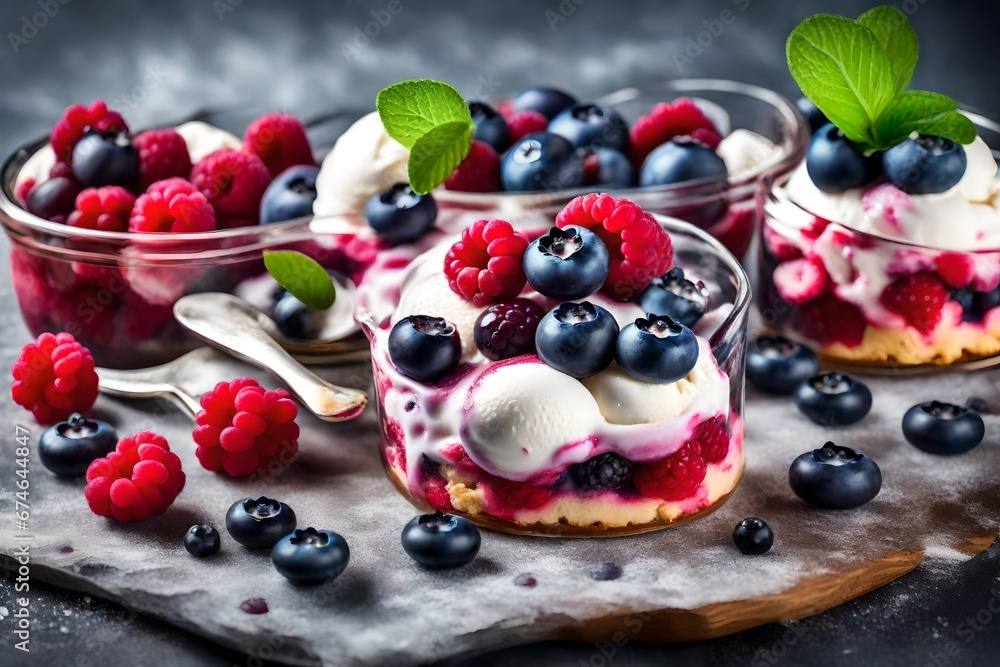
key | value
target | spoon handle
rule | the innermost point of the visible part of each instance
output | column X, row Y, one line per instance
column 119, row 383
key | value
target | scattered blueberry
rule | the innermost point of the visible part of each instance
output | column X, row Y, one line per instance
column 310, row 556
column 924, row 165
column 779, row 366
column 752, row 536
column 399, row 215
column 604, row 471
column 259, row 523
column 202, row 541
column 612, row 167
column 674, row 295
column 506, row 330
column 833, row 399
column 541, row 161
column 657, row 349
column 834, row 164
column 424, row 348
column 606, row 572
column 590, row 125
column 101, row 159
column 679, row 161
column 577, row 338
column 290, row 195
column 980, row 405
column 814, row 117
column 441, row 541
column 55, row 197
column 943, row 428
column 567, row 264
column 546, row 101
column 295, row 319
column 835, row 477
column 490, row 126
column 69, row 447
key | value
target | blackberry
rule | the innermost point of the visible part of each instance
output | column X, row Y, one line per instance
column 605, row 471
column 507, row 330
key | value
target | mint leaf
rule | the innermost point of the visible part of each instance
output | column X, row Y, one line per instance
column 953, row 126
column 898, row 40
column 436, row 154
column 302, row 276
column 411, row 109
column 841, row 66
column 911, row 112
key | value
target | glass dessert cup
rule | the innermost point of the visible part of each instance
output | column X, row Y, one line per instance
column 425, row 428
column 730, row 210
column 848, row 324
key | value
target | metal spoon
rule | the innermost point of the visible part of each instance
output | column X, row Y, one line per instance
column 234, row 326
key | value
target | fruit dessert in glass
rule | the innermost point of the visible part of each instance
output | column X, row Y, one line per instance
column 883, row 247
column 575, row 376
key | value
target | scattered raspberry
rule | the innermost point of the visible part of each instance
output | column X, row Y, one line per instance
column 23, row 191
column 139, row 480
column 107, row 209
column 54, row 377
column 667, row 121
column 780, row 247
column 800, row 280
column 279, row 139
column 479, row 171
column 523, row 123
column 713, row 438
column 243, row 428
column 674, row 478
column 75, row 123
column 234, row 182
column 172, row 207
column 484, row 267
column 830, row 320
column 518, row 495
column 956, row 269
column 640, row 249
column 162, row 154
column 918, row 298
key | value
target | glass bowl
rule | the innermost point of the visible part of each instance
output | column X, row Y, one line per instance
column 847, row 324
column 730, row 210
column 431, row 458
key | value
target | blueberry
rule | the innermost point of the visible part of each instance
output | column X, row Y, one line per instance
column 258, row 524
column 943, row 428
column 752, row 536
column 577, row 338
column 835, row 477
column 310, row 556
column 590, row 125
column 55, row 197
column 924, row 165
column 679, row 161
column 613, row 168
column 546, row 101
column 657, row 349
column 567, row 264
column 814, row 117
column 490, row 126
column 424, row 348
column 202, row 541
column 297, row 320
column 290, row 195
column 69, row 447
column 983, row 302
column 400, row 215
column 835, row 164
column 833, row 399
column 604, row 471
column 101, row 159
column 441, row 541
column 779, row 366
column 684, row 301
column 541, row 161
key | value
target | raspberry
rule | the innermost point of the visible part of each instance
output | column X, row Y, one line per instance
column 829, row 320
column 280, row 141
column 484, row 267
column 234, row 182
column 518, row 495
column 713, row 438
column 640, row 249
column 438, row 496
column 139, row 480
column 523, row 123
column 800, row 280
column 506, row 330
column 243, row 428
column 479, row 171
column 676, row 477
column 955, row 268
column 172, row 208
column 918, row 298
column 106, row 209
column 54, row 377
column 61, row 170
column 780, row 246
column 162, row 154
column 75, row 123
column 23, row 191
column 174, row 185
column 667, row 121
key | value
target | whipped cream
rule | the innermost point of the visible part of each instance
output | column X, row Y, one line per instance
column 36, row 167
column 202, row 139
column 745, row 152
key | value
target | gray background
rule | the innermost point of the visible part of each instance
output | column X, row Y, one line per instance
column 159, row 61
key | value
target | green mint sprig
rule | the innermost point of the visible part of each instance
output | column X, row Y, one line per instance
column 303, row 277
column 857, row 72
column 431, row 119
